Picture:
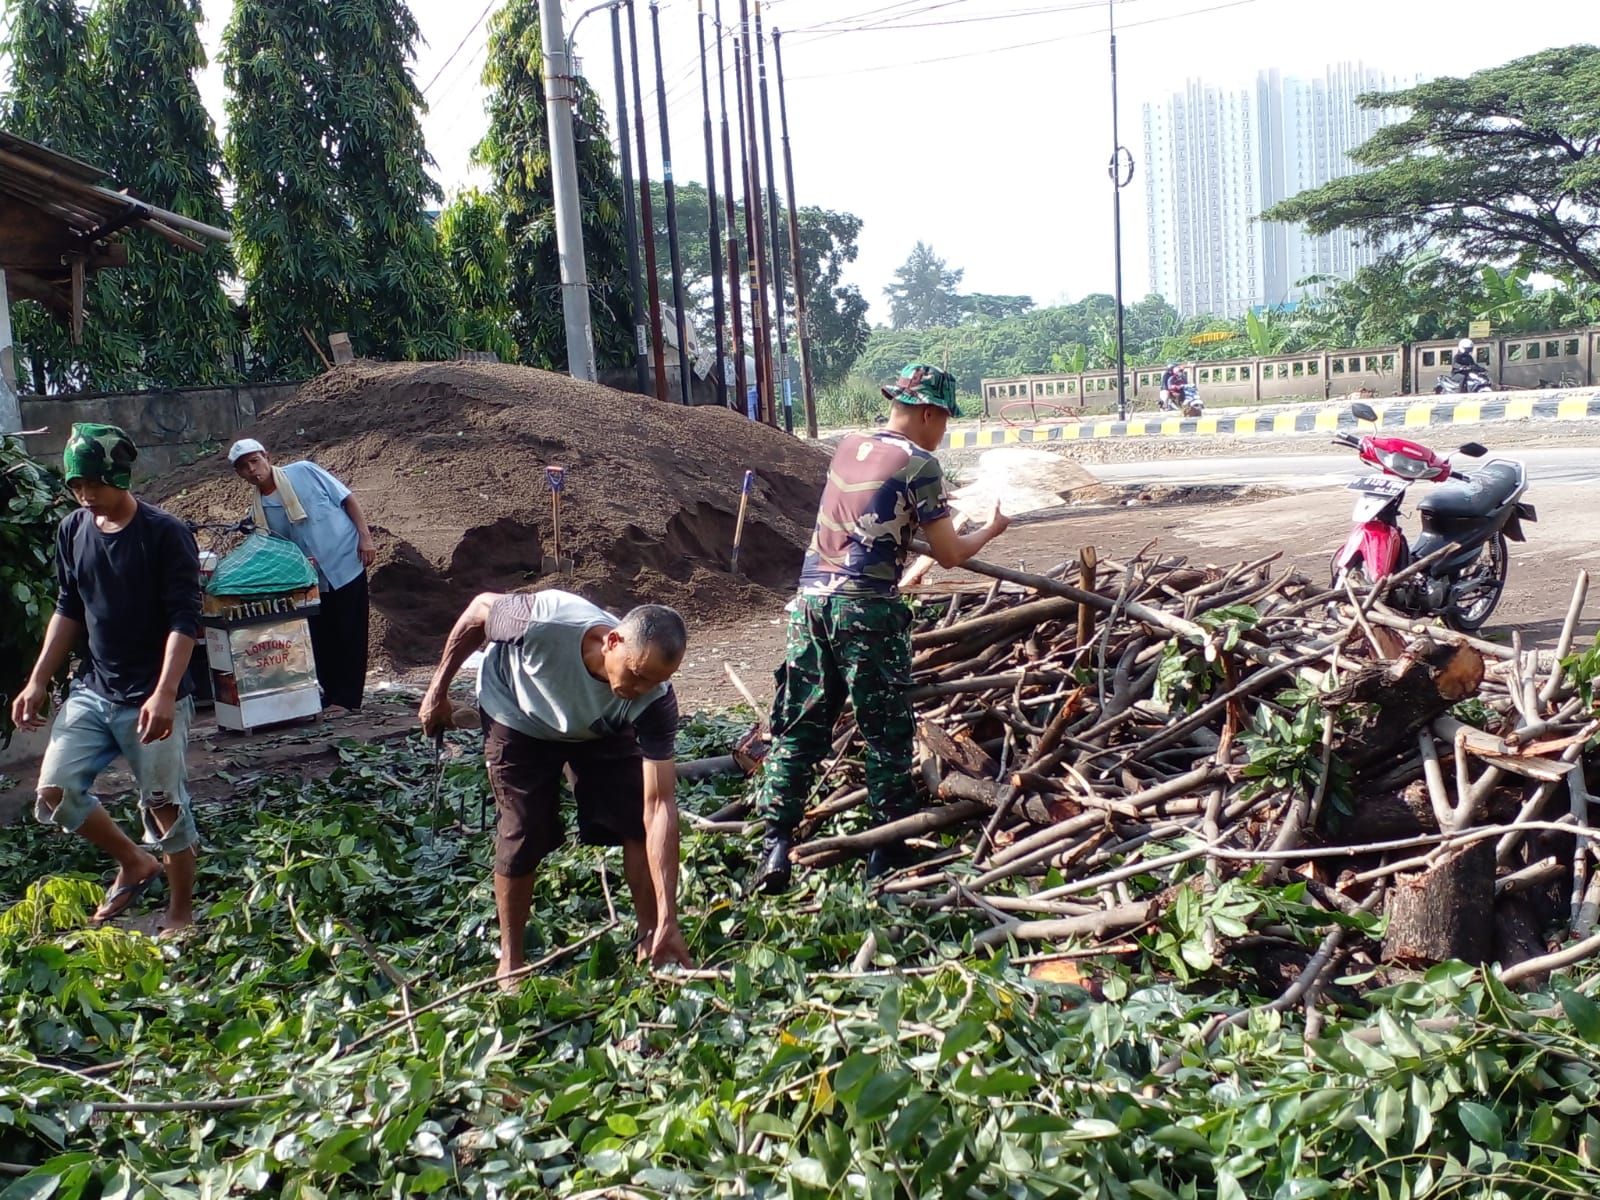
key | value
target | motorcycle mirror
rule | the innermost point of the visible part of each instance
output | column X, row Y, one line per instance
column 1364, row 412
column 1473, row 450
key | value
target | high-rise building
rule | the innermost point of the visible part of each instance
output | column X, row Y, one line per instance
column 1216, row 158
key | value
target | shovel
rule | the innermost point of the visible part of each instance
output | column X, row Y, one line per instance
column 738, row 528
column 553, row 564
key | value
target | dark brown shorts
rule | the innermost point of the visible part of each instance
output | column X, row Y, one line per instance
column 525, row 775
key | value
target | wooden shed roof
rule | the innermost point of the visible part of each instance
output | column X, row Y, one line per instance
column 59, row 221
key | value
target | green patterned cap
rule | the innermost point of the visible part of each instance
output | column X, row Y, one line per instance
column 921, row 384
column 102, row 453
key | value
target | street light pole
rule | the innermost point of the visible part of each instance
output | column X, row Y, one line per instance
column 1121, row 172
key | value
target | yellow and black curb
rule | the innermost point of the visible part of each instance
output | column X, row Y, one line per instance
column 1418, row 414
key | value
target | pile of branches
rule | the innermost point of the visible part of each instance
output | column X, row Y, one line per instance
column 1100, row 738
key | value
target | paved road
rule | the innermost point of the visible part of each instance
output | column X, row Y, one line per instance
column 1546, row 467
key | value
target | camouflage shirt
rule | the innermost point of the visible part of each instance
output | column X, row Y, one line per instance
column 881, row 488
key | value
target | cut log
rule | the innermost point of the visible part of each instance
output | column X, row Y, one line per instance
column 981, row 631
column 1389, row 814
column 960, row 751
column 1405, row 695
column 1445, row 912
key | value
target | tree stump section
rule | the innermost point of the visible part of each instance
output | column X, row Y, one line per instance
column 1446, row 912
column 1404, row 695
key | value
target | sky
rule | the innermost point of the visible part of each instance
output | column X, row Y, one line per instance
column 982, row 127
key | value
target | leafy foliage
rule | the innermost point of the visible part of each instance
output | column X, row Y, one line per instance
column 475, row 254
column 32, row 503
column 277, row 1043
column 517, row 152
column 55, row 101
column 1583, row 668
column 1502, row 166
column 327, row 155
column 923, row 295
column 158, row 142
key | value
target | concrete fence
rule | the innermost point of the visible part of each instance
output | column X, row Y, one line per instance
column 172, row 426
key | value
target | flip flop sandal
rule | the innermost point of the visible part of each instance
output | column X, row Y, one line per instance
column 121, row 900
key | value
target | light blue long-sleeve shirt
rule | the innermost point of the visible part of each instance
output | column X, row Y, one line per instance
column 327, row 536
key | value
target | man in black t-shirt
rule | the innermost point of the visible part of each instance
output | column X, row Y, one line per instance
column 129, row 578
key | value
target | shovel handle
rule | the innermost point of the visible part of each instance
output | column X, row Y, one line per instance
column 744, row 505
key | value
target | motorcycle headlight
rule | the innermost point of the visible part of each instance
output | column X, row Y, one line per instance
column 1403, row 465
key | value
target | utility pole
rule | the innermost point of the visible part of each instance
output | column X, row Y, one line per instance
column 735, row 302
column 647, row 220
column 759, row 345
column 558, row 95
column 777, row 243
column 756, row 219
column 1120, row 158
column 713, row 221
column 681, row 319
column 630, row 213
column 802, row 315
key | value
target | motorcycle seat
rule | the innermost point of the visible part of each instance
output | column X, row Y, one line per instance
column 1485, row 490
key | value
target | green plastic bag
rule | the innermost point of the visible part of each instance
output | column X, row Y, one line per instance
column 262, row 565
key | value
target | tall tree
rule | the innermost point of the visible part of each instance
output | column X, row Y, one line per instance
column 828, row 244
column 472, row 235
column 161, row 146
column 332, row 188
column 55, row 101
column 923, row 295
column 517, row 152
column 1503, row 166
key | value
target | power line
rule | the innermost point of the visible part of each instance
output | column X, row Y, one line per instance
column 1065, row 37
column 476, row 25
column 886, row 27
column 868, row 13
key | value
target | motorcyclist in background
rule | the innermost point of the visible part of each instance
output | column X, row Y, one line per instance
column 1464, row 363
column 1174, row 374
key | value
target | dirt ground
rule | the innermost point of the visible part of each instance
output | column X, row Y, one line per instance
column 1209, row 524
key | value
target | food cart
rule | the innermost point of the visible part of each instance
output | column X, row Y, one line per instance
column 258, row 645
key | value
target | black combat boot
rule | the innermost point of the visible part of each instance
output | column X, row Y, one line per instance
column 774, row 873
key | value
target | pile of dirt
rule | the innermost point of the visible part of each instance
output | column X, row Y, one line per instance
column 448, row 459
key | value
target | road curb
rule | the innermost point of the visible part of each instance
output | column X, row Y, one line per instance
column 1567, row 405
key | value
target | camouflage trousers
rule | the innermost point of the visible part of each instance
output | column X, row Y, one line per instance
column 842, row 647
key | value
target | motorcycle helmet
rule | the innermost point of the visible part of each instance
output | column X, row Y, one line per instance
column 1464, row 345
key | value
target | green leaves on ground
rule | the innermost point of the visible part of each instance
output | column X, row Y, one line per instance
column 783, row 1073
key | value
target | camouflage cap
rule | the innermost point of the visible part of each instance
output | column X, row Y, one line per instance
column 921, row 384
column 102, row 453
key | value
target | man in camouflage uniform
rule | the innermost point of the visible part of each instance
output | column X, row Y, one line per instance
column 849, row 631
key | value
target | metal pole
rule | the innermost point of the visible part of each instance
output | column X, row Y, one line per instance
column 630, row 212
column 558, row 94
column 713, row 218
column 753, row 255
column 10, row 405
column 735, row 294
column 756, row 219
column 647, row 220
column 777, row 244
column 1118, row 182
column 681, row 319
column 802, row 315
